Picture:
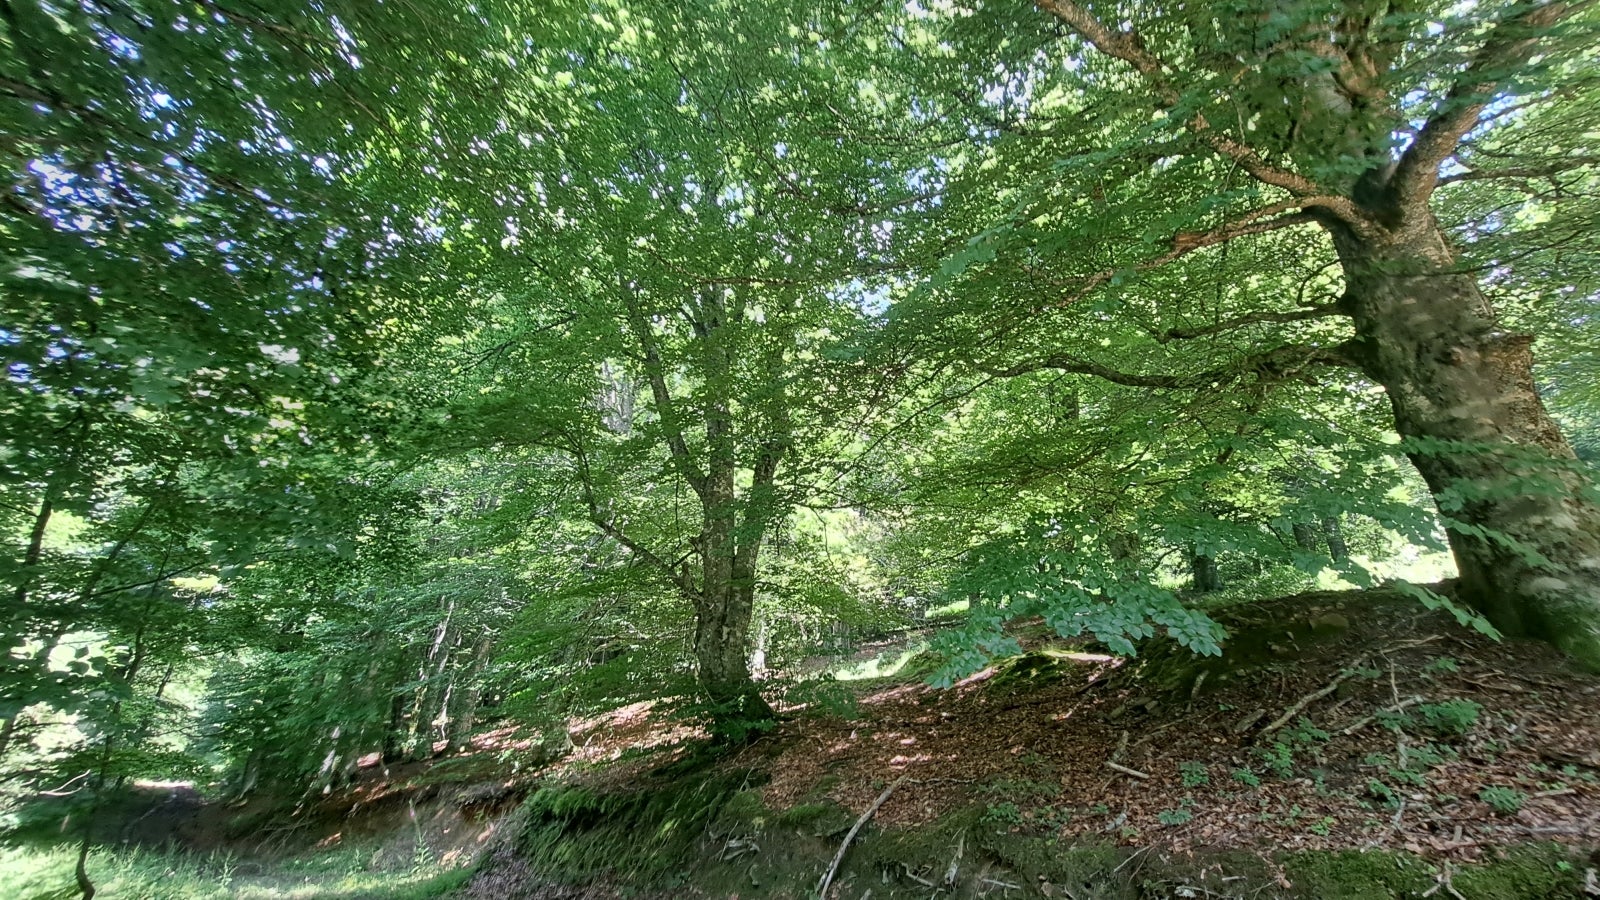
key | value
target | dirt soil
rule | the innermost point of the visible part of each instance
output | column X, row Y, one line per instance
column 1398, row 726
column 1336, row 721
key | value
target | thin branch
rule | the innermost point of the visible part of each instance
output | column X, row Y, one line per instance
column 1183, row 243
column 655, row 374
column 1325, row 311
column 1566, row 164
column 1510, row 44
column 1129, row 47
column 833, row 868
column 608, row 527
column 1275, row 364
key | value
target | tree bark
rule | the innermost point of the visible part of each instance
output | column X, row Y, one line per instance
column 1205, row 574
column 1338, row 550
column 726, row 602
column 1305, row 536
column 1522, row 520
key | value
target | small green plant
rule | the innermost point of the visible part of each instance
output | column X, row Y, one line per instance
column 1382, row 792
column 1408, row 776
column 1193, row 773
column 1323, row 826
column 1053, row 818
column 1429, row 754
column 1245, row 776
column 1452, row 718
column 1442, row 664
column 1503, row 800
column 1008, row 814
column 1305, row 732
column 1038, row 761
column 1279, row 758
column 1176, row 816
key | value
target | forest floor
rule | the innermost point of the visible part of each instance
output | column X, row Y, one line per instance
column 1336, row 722
column 1347, row 745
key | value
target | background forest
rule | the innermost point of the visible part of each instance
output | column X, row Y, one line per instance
column 377, row 372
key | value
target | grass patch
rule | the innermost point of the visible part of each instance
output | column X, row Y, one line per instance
column 948, row 610
column 31, row 873
column 884, row 665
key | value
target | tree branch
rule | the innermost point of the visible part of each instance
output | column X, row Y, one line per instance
column 655, row 374
column 1511, row 43
column 677, row 576
column 1565, row 164
column 1324, row 311
column 1273, row 365
column 1129, row 47
column 1257, row 221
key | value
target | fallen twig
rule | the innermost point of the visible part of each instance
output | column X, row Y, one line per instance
column 1392, row 708
column 955, row 862
column 1135, row 855
column 1244, row 724
column 833, row 868
column 1300, row 705
column 1125, row 770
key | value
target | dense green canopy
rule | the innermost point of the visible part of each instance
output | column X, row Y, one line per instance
column 377, row 368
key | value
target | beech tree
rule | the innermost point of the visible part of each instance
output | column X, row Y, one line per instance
column 1121, row 148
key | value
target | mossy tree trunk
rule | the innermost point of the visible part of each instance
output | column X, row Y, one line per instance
column 1522, row 520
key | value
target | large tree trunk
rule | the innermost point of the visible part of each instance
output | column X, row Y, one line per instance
column 724, row 609
column 1523, row 522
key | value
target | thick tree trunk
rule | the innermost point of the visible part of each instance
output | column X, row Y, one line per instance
column 1523, row 523
column 722, row 630
column 724, row 610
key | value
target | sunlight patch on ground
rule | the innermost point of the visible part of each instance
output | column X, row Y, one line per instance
column 884, row 665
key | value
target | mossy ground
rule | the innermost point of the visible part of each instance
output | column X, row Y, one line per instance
column 710, row 835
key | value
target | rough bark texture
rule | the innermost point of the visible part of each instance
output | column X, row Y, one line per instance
column 724, row 608
column 1523, row 523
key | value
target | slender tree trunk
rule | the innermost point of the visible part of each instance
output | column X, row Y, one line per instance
column 464, row 714
column 1523, row 522
column 1203, row 569
column 1305, row 536
column 31, row 556
column 1338, row 550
